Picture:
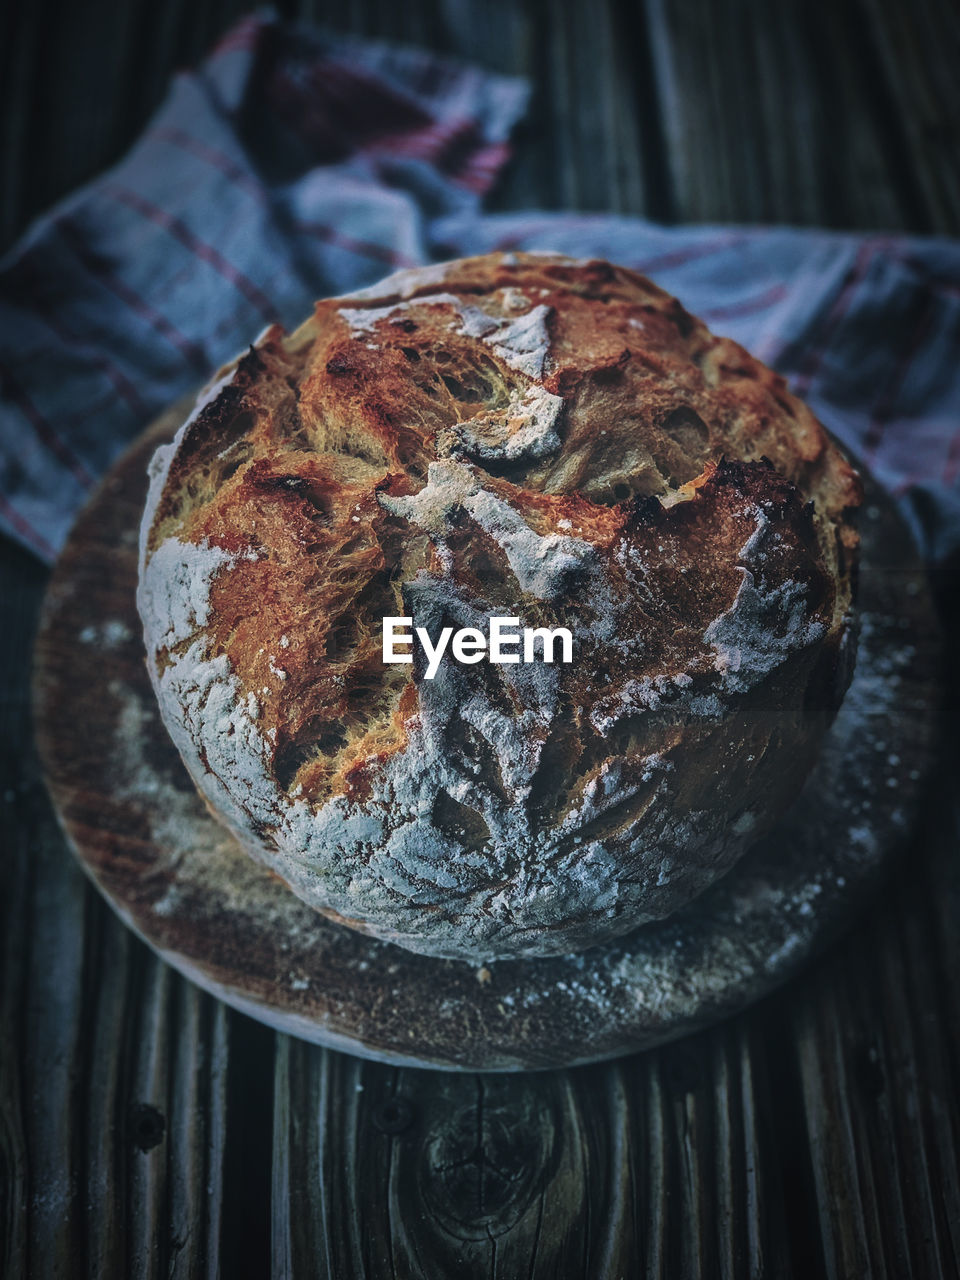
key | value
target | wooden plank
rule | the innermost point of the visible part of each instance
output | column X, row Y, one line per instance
column 658, row 1158
column 102, row 1176
column 755, row 111
column 113, row 1071
column 21, row 585
column 784, row 113
column 51, row 1036
column 20, row 33
column 880, row 1087
column 914, row 47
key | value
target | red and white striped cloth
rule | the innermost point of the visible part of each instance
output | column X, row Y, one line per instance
column 292, row 165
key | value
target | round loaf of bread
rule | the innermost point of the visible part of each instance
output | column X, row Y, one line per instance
column 524, row 436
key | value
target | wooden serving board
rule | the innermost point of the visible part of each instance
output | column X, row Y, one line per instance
column 183, row 884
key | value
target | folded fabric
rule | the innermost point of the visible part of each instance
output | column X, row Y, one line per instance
column 292, row 165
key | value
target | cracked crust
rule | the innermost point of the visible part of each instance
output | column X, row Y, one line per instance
column 513, row 434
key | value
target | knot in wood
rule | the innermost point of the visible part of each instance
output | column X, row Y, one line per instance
column 482, row 1163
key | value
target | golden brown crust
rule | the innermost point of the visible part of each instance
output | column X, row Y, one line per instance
column 514, row 434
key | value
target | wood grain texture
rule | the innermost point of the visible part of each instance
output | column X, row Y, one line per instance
column 115, row 1076
column 816, row 1136
column 591, row 1172
column 845, row 114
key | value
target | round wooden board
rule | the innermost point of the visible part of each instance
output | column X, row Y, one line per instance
column 181, row 882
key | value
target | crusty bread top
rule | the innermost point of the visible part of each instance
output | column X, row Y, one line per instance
column 515, row 434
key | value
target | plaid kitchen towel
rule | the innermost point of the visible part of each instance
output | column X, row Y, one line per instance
column 292, row 165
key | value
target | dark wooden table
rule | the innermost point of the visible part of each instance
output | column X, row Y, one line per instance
column 147, row 1131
